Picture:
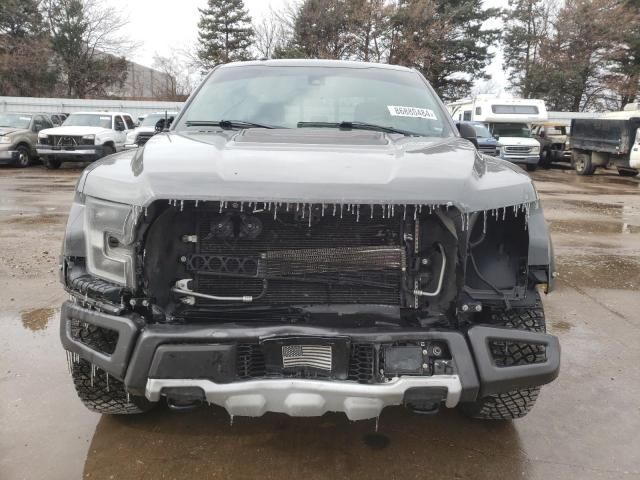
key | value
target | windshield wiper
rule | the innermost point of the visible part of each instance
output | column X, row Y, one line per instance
column 227, row 124
column 357, row 126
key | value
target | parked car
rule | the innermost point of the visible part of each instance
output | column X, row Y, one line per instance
column 612, row 139
column 487, row 144
column 554, row 141
column 332, row 244
column 19, row 135
column 84, row 136
column 508, row 119
column 151, row 124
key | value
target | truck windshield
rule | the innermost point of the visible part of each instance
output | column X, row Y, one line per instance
column 88, row 120
column 318, row 96
column 481, row 130
column 511, row 130
column 14, row 120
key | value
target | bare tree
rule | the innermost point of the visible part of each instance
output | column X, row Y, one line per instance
column 87, row 38
column 180, row 76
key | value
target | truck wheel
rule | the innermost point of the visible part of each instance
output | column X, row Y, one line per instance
column 105, row 394
column 532, row 167
column 545, row 159
column 582, row 164
column 108, row 150
column 51, row 163
column 516, row 403
column 627, row 172
column 24, row 157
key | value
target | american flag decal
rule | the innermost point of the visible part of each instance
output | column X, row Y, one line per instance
column 316, row 356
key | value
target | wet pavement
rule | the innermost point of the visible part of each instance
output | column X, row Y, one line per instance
column 585, row 425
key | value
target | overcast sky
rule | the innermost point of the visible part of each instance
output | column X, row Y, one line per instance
column 157, row 26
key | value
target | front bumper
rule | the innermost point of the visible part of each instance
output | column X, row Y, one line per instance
column 529, row 159
column 79, row 153
column 8, row 156
column 151, row 359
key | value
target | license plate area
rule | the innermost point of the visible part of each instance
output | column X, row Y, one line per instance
column 307, row 357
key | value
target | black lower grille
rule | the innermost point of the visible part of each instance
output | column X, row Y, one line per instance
column 510, row 354
column 103, row 340
column 250, row 364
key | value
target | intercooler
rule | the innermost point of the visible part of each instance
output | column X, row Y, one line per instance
column 290, row 260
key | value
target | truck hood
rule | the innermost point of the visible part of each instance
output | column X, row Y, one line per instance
column 308, row 165
column 74, row 131
column 8, row 130
column 518, row 141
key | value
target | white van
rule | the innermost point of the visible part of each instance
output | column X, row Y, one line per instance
column 508, row 120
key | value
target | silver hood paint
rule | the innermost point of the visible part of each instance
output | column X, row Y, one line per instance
column 309, row 165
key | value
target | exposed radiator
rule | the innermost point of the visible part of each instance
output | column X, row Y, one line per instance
column 334, row 260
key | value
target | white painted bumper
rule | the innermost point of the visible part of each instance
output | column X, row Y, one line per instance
column 309, row 398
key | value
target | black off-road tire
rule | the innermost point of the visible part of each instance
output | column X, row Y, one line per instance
column 24, row 157
column 532, row 167
column 51, row 163
column 102, row 393
column 545, row 159
column 516, row 403
column 108, row 150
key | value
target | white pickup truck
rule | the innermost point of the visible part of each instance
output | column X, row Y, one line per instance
column 84, row 136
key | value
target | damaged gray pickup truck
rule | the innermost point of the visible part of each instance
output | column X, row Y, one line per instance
column 308, row 237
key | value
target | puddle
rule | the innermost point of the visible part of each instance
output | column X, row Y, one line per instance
column 37, row 319
column 587, row 226
column 376, row 441
column 616, row 272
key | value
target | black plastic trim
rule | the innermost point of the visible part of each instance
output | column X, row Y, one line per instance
column 494, row 379
column 116, row 363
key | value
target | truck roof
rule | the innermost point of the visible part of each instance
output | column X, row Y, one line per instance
column 315, row 63
column 98, row 112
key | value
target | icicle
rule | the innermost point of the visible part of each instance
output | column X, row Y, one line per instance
column 420, row 209
column 231, row 420
column 404, row 212
column 196, row 204
column 181, row 205
column 484, row 223
column 504, row 213
column 322, row 214
column 275, row 213
column 341, row 210
column 220, row 207
column 393, row 210
column 310, row 215
column 358, row 213
column 371, row 207
column 415, row 212
column 107, row 374
column 334, row 209
column 377, row 422
column 304, row 206
column 297, row 207
column 128, row 398
column 241, row 206
column 288, row 205
column 93, row 372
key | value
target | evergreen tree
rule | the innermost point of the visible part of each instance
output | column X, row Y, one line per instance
column 527, row 26
column 445, row 40
column 225, row 33
column 25, row 50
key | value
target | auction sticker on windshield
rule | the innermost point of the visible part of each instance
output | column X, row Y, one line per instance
column 413, row 112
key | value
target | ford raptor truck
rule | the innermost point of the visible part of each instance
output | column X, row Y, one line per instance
column 307, row 237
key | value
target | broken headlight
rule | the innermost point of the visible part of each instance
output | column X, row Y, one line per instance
column 110, row 236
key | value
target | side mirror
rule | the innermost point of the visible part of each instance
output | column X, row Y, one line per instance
column 468, row 132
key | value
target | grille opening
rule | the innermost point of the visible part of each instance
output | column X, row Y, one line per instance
column 510, row 354
column 103, row 340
